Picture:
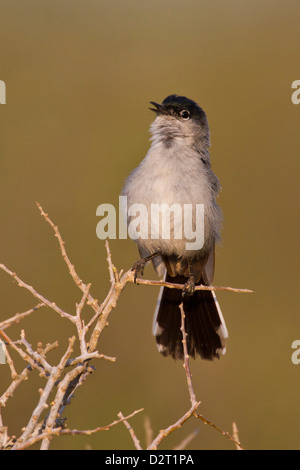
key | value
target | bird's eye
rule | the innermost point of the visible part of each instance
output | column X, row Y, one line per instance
column 185, row 114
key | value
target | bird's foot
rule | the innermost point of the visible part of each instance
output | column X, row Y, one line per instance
column 139, row 267
column 189, row 287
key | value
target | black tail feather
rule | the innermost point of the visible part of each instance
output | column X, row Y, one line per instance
column 204, row 323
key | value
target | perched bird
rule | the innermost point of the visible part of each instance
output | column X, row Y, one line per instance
column 176, row 172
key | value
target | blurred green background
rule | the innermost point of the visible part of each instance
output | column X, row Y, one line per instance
column 79, row 77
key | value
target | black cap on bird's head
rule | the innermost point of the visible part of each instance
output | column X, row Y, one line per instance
column 179, row 107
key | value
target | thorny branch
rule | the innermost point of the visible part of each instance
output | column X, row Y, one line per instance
column 70, row 373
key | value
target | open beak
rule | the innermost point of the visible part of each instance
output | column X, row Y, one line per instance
column 159, row 108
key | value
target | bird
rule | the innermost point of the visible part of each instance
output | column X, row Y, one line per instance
column 176, row 172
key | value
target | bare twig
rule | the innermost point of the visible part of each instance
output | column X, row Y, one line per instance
column 13, row 386
column 23, row 354
column 217, row 428
column 185, row 442
column 10, row 362
column 62, row 382
column 172, row 285
column 131, row 432
column 235, row 435
column 73, row 432
column 148, row 431
column 165, row 432
column 110, row 304
column 186, row 363
column 91, row 301
column 18, row 317
column 37, row 295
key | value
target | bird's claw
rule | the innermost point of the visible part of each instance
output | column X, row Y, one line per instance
column 138, row 268
column 189, row 287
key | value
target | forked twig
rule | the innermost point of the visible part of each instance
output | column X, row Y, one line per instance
column 173, row 285
column 62, row 379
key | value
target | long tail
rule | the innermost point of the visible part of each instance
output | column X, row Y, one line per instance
column 204, row 323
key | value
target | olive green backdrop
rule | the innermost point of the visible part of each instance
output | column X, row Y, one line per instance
column 79, row 77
